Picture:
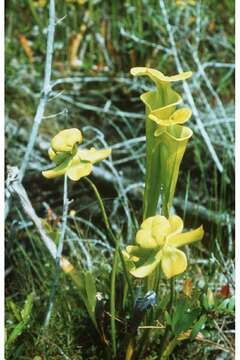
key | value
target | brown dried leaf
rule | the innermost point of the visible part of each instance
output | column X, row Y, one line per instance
column 26, row 47
column 224, row 292
column 187, row 287
column 74, row 45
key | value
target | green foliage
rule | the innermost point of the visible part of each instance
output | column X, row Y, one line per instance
column 90, row 291
column 198, row 326
column 23, row 318
column 183, row 317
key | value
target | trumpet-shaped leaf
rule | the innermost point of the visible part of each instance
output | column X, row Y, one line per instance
column 161, row 117
column 164, row 97
column 157, row 76
column 172, row 146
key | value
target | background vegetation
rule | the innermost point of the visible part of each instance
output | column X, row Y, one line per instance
column 96, row 43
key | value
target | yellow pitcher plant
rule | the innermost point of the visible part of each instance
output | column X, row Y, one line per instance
column 157, row 243
column 166, row 138
column 71, row 160
column 160, row 237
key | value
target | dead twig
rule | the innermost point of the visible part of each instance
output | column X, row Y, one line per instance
column 15, row 187
column 45, row 91
column 43, row 98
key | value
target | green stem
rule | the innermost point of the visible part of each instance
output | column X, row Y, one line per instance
column 104, row 214
column 171, row 296
column 111, row 234
column 113, row 285
column 164, row 341
column 169, row 349
column 78, row 281
column 55, row 281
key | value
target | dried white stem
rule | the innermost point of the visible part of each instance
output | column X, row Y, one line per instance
column 59, row 253
column 45, row 91
column 14, row 186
